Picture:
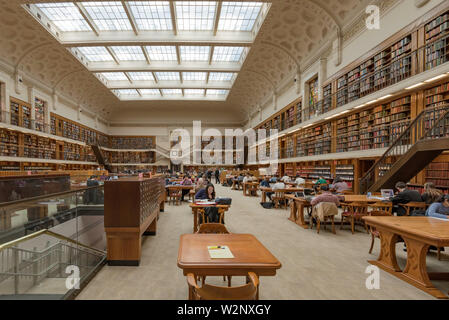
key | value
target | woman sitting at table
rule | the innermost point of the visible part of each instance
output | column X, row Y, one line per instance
column 339, row 185
column 439, row 209
column 186, row 182
column 207, row 193
column 431, row 194
column 200, row 184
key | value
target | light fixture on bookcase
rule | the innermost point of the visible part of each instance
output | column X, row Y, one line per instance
column 436, row 78
column 414, row 86
column 385, row 97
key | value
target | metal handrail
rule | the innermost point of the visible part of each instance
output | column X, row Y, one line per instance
column 50, row 233
column 46, row 196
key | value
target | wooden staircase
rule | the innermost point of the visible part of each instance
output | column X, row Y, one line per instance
column 100, row 158
column 425, row 138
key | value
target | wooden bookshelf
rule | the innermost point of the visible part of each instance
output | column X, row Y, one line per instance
column 40, row 107
column 437, row 43
column 20, row 113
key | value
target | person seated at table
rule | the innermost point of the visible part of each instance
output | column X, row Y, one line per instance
column 187, row 181
column 439, row 209
column 279, row 185
column 207, row 193
column 320, row 181
column 404, row 196
column 265, row 182
column 431, row 194
column 200, row 184
column 285, row 179
column 274, row 179
column 240, row 179
column 300, row 182
column 339, row 185
column 246, row 178
column 326, row 196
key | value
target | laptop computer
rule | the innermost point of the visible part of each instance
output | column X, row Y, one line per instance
column 387, row 193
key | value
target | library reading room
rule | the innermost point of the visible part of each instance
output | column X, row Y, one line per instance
column 224, row 150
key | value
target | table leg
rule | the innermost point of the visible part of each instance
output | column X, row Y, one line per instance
column 300, row 216
column 195, row 220
column 387, row 257
column 264, row 197
column 293, row 211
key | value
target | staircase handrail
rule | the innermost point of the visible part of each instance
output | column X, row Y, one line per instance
column 411, row 126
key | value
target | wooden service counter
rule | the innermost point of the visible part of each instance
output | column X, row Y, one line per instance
column 131, row 209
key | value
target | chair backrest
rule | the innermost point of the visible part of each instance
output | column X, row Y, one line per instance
column 382, row 208
column 215, row 228
column 173, row 192
column 359, row 208
column 210, row 292
column 279, row 194
column 416, row 205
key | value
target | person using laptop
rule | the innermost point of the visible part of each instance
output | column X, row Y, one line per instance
column 404, row 196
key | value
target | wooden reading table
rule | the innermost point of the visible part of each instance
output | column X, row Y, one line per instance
column 265, row 190
column 419, row 233
column 249, row 256
column 250, row 189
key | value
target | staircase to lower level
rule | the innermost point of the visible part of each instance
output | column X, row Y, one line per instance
column 425, row 138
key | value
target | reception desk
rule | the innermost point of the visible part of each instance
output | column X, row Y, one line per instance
column 131, row 209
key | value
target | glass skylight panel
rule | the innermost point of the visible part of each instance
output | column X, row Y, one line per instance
column 152, row 92
column 238, row 16
column 96, row 54
column 168, row 76
column 194, row 92
column 195, row 15
column 162, row 53
column 127, row 92
column 171, row 92
column 141, row 76
column 194, row 76
column 229, row 54
column 129, row 53
column 216, row 92
column 65, row 15
column 220, row 76
column 194, row 53
column 114, row 76
column 108, row 15
column 151, row 15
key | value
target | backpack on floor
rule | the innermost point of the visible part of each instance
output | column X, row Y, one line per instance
column 267, row 205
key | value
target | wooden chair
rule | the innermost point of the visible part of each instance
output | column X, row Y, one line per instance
column 250, row 291
column 278, row 199
column 221, row 212
column 192, row 195
column 174, row 195
column 318, row 224
column 409, row 207
column 356, row 211
column 379, row 209
column 214, row 228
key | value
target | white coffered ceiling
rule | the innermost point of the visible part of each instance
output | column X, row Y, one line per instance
column 211, row 57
